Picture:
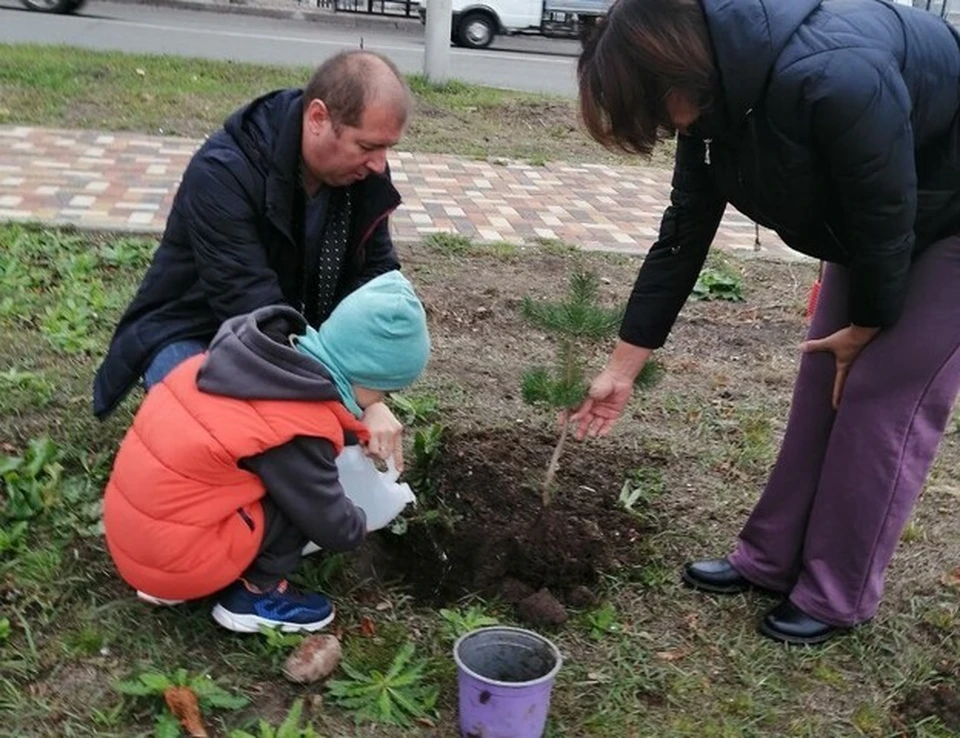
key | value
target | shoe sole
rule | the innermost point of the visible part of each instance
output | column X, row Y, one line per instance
column 715, row 588
column 253, row 623
column 776, row 635
column 157, row 601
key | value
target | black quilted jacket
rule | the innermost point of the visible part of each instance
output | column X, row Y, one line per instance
column 838, row 128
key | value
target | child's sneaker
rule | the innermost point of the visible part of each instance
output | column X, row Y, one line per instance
column 242, row 608
column 158, row 601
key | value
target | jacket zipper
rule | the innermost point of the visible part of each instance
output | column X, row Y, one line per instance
column 246, row 518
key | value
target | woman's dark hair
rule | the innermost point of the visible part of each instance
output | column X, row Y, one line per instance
column 638, row 54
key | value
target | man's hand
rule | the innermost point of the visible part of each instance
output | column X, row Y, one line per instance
column 846, row 345
column 386, row 434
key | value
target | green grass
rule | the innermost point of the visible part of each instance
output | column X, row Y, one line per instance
column 449, row 243
column 651, row 659
column 66, row 87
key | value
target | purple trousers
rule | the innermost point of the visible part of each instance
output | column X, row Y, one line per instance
column 845, row 482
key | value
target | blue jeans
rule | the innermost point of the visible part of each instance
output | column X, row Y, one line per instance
column 169, row 358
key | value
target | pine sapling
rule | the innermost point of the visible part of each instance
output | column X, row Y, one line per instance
column 578, row 321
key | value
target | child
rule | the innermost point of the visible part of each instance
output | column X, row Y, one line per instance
column 229, row 468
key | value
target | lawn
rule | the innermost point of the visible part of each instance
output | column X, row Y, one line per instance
column 65, row 87
column 643, row 655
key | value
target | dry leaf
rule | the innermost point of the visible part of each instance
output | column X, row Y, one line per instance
column 951, row 578
column 674, row 654
column 182, row 702
column 367, row 627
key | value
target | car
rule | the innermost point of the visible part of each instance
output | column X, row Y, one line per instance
column 54, row 6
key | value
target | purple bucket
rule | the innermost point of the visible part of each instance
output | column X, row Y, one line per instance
column 505, row 677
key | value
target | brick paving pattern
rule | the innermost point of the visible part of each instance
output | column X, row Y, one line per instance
column 127, row 181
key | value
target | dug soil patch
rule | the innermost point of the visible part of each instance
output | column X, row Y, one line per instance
column 492, row 534
column 941, row 701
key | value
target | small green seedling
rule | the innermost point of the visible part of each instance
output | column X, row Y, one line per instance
column 718, row 284
column 422, row 474
column 30, row 482
column 414, row 409
column 289, row 728
column 11, row 539
column 640, row 489
column 395, row 697
column 460, row 622
column 34, row 388
column 5, row 629
column 603, row 622
column 277, row 645
column 128, row 252
column 182, row 693
column 319, row 571
column 577, row 320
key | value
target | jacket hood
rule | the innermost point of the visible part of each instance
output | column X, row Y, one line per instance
column 251, row 358
column 269, row 132
column 272, row 120
column 747, row 38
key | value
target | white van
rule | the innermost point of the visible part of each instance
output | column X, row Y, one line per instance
column 477, row 22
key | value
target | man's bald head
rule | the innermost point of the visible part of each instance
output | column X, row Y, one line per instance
column 349, row 82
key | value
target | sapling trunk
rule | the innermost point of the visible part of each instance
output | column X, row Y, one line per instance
column 555, row 459
column 569, row 379
column 578, row 320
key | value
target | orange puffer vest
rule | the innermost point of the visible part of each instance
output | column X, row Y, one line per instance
column 182, row 519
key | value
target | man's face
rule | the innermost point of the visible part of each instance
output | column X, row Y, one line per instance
column 341, row 155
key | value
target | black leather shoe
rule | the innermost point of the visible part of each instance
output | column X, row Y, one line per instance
column 715, row 575
column 789, row 624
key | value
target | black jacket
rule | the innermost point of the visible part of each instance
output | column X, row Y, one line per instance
column 838, row 127
column 251, row 358
column 234, row 243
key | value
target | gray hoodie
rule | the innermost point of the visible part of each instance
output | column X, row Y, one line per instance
column 251, row 358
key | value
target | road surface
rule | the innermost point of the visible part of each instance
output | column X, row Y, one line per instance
column 528, row 63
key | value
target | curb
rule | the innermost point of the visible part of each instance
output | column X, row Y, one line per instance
column 411, row 26
column 411, row 242
column 121, row 229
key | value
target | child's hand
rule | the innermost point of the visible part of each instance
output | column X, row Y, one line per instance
column 386, row 434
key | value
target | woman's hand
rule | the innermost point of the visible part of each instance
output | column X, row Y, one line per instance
column 610, row 391
column 846, row 345
column 608, row 395
column 386, row 434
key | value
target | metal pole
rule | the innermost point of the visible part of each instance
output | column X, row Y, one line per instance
column 436, row 57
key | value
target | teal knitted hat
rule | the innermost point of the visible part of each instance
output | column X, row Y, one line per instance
column 376, row 338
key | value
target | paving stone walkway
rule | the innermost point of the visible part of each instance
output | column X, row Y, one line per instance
column 127, row 181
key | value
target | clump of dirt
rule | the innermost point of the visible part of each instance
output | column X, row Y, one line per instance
column 542, row 608
column 489, row 532
column 941, row 701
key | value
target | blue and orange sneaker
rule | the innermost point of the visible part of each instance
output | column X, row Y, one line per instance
column 243, row 608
